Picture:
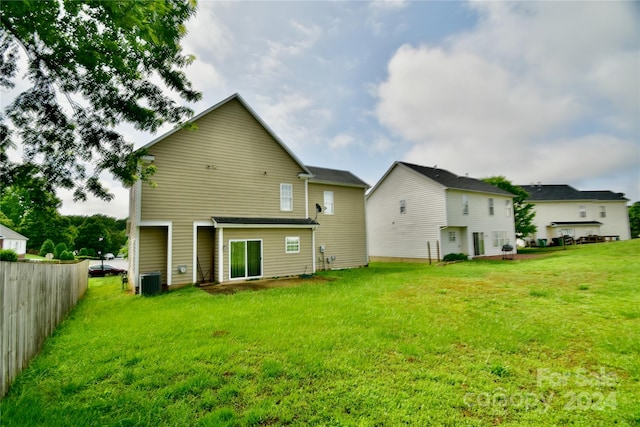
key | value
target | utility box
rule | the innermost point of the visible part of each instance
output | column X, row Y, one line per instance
column 150, row 283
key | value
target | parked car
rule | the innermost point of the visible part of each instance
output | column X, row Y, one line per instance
column 99, row 270
column 109, row 256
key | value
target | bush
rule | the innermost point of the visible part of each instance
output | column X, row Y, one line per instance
column 83, row 252
column 47, row 247
column 455, row 257
column 57, row 252
column 91, row 252
column 8, row 255
column 67, row 256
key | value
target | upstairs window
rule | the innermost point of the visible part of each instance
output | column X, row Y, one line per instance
column 491, row 206
column 582, row 209
column 286, row 197
column 328, row 202
column 603, row 212
column 403, row 206
column 507, row 207
column 465, row 204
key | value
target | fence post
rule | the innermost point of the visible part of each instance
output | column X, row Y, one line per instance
column 429, row 251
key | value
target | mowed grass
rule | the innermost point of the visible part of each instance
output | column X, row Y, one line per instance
column 548, row 341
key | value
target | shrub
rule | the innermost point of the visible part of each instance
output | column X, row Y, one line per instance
column 47, row 247
column 83, row 252
column 57, row 252
column 91, row 252
column 455, row 257
column 8, row 255
column 67, row 256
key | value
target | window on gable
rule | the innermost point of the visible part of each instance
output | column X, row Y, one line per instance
column 582, row 209
column 403, row 206
column 465, row 204
column 507, row 206
column 286, row 197
column 328, row 202
column 603, row 212
column 490, row 206
column 292, row 244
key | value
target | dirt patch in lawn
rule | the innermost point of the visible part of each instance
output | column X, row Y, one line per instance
column 263, row 284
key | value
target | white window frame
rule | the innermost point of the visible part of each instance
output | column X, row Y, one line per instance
column 292, row 244
column 452, row 236
column 582, row 211
column 491, row 209
column 329, row 206
column 403, row 206
column 465, row 204
column 500, row 238
column 603, row 211
column 286, row 197
column 508, row 208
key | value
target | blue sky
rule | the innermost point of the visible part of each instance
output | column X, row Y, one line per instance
column 534, row 91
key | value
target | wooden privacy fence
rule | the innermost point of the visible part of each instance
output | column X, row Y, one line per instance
column 34, row 299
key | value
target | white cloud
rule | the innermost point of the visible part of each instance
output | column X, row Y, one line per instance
column 270, row 63
column 536, row 89
column 341, row 141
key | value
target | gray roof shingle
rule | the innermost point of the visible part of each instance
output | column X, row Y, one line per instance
column 539, row 192
column 454, row 181
column 263, row 221
column 335, row 176
column 7, row 233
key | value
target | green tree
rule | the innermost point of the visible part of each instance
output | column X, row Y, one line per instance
column 634, row 220
column 101, row 56
column 523, row 211
column 48, row 247
column 57, row 252
column 93, row 234
column 5, row 220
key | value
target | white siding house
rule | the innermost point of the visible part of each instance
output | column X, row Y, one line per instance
column 9, row 239
column 562, row 210
column 415, row 213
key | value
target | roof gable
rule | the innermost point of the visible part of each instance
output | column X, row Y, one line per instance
column 250, row 110
column 561, row 192
column 7, row 233
column 335, row 176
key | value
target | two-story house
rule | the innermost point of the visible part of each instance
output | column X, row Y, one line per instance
column 419, row 213
column 562, row 210
column 232, row 202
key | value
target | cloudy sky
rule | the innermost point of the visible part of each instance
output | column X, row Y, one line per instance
column 534, row 91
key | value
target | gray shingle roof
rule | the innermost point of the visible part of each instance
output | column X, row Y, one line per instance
column 335, row 176
column 454, row 181
column 567, row 192
column 7, row 233
column 263, row 221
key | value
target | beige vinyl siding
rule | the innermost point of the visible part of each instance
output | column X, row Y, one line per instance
column 395, row 235
column 343, row 234
column 229, row 166
column 205, row 253
column 275, row 262
column 153, row 251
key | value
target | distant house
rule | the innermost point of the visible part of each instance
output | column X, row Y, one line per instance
column 416, row 212
column 10, row 239
column 233, row 202
column 562, row 210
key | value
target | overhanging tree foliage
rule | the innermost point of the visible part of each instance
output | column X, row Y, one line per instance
column 101, row 57
column 523, row 212
column 634, row 220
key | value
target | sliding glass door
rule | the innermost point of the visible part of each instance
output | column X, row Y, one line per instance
column 245, row 258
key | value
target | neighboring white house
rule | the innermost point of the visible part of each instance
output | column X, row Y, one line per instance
column 9, row 239
column 562, row 210
column 415, row 213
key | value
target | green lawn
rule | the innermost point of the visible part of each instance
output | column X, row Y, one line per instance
column 551, row 340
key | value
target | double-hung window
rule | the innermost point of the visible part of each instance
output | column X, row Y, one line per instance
column 603, row 212
column 403, row 206
column 582, row 209
column 507, row 207
column 292, row 244
column 491, row 206
column 328, row 202
column 465, row 204
column 286, row 197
